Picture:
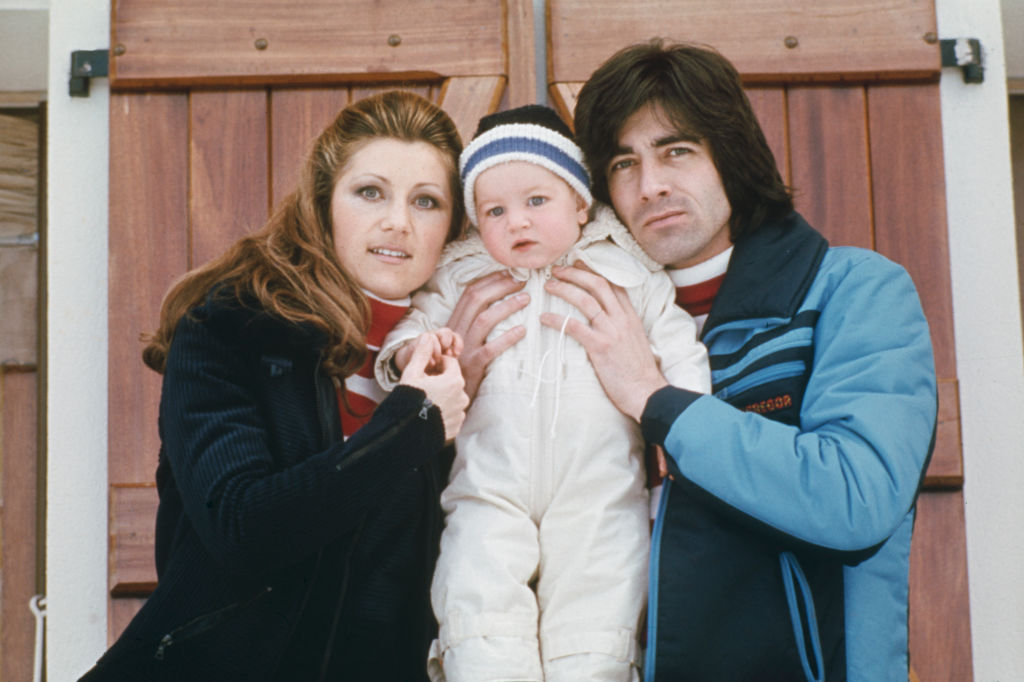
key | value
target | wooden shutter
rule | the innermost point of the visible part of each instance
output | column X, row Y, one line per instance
column 848, row 97
column 213, row 105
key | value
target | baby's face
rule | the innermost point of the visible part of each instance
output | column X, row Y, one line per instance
column 528, row 215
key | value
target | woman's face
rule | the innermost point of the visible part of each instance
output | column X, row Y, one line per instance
column 390, row 211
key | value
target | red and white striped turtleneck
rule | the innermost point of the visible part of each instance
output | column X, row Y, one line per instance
column 697, row 286
column 362, row 392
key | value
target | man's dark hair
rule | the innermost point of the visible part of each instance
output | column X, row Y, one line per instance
column 701, row 93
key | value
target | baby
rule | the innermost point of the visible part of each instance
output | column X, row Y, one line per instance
column 543, row 567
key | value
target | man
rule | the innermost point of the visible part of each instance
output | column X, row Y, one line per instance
column 781, row 545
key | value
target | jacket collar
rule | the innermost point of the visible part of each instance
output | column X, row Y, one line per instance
column 770, row 272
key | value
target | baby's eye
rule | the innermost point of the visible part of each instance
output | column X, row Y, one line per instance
column 495, row 211
column 369, row 192
column 536, row 201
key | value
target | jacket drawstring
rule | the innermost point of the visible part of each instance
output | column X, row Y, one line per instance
column 790, row 570
column 557, row 381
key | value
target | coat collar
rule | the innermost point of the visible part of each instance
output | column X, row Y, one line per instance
column 770, row 272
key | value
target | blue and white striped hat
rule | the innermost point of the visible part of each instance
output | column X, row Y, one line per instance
column 532, row 133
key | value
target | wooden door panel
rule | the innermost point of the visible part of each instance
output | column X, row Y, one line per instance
column 297, row 116
column 19, row 528
column 228, row 173
column 940, row 629
column 769, row 103
column 162, row 43
column 829, row 159
column 773, row 41
column 149, row 249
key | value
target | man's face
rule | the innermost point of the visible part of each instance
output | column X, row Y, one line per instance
column 666, row 189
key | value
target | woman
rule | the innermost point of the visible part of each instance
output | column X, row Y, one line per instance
column 291, row 544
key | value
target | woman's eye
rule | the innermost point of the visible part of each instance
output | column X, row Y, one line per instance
column 427, row 202
column 369, row 192
column 536, row 201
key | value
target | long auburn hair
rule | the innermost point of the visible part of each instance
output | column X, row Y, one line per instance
column 289, row 267
column 701, row 93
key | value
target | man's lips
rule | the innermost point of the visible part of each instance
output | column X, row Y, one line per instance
column 662, row 218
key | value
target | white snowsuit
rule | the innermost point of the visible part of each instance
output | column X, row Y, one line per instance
column 543, row 567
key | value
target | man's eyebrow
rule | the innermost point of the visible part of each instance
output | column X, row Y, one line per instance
column 676, row 137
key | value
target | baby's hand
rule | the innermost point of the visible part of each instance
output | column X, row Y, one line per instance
column 442, row 342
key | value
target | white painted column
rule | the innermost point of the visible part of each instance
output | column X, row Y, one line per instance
column 76, row 426
column 987, row 324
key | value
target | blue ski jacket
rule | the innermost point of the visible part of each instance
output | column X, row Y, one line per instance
column 781, row 546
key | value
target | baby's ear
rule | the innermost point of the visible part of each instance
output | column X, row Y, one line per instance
column 582, row 212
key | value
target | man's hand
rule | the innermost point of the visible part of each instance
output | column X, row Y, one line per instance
column 482, row 306
column 615, row 340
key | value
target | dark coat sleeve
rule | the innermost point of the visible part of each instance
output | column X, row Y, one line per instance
column 254, row 497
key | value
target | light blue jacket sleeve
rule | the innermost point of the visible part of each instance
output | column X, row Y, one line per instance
column 846, row 477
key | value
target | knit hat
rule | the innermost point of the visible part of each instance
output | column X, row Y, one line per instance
column 532, row 133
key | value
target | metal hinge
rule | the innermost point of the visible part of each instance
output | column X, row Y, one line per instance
column 966, row 54
column 86, row 64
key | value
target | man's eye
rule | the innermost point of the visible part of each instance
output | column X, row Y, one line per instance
column 620, row 165
column 680, row 151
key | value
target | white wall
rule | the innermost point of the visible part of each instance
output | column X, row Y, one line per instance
column 986, row 315
column 986, row 312
column 76, row 428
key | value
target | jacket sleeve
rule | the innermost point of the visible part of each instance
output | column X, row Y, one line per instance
column 844, row 479
column 248, row 511
column 673, row 336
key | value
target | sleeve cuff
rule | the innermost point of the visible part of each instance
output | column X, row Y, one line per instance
column 662, row 409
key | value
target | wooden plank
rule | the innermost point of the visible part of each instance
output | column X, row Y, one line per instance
column 229, row 180
column 148, row 250
column 168, row 43
column 946, row 470
column 908, row 185
column 19, row 315
column 132, row 536
column 19, row 173
column 119, row 613
column 522, row 54
column 19, row 526
column 563, row 98
column 828, row 154
column 297, row 117
column 467, row 100
column 940, row 626
column 831, row 39
column 770, row 106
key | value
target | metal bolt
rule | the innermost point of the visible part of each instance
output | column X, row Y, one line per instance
column 394, row 40
column 931, row 38
column 119, row 50
column 791, row 42
column 261, row 43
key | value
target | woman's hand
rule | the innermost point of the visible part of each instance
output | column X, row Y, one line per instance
column 444, row 342
column 615, row 340
column 484, row 304
column 441, row 380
